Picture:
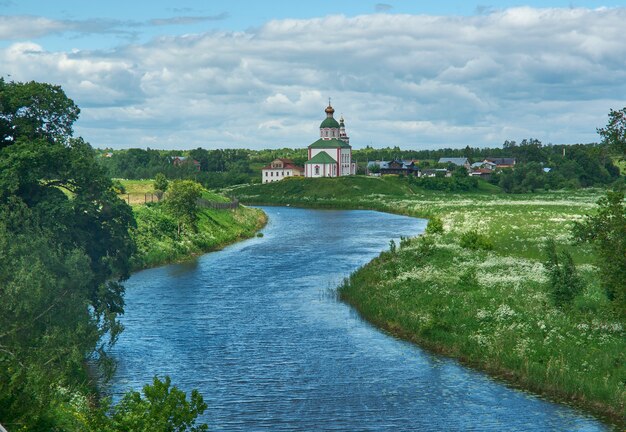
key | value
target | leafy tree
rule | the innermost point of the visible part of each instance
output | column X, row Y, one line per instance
column 160, row 184
column 162, row 408
column 606, row 231
column 565, row 284
column 35, row 110
column 614, row 134
column 182, row 202
column 65, row 249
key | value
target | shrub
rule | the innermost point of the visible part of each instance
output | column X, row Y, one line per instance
column 473, row 240
column 565, row 284
column 435, row 226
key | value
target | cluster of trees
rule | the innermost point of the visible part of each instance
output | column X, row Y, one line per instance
column 217, row 168
column 64, row 251
column 572, row 167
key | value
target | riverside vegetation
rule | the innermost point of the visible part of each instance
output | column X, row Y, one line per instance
column 157, row 236
column 67, row 242
column 475, row 286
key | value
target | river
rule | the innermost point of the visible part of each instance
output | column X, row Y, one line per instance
column 257, row 329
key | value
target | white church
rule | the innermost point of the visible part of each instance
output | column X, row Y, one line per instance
column 331, row 155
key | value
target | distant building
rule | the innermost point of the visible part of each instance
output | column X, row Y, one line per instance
column 180, row 161
column 485, row 165
column 436, row 172
column 331, row 155
column 461, row 162
column 279, row 169
column 502, row 162
column 404, row 167
column 483, row 173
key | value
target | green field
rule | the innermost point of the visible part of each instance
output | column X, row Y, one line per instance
column 489, row 308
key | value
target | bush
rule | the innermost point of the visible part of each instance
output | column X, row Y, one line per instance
column 435, row 226
column 565, row 284
column 473, row 240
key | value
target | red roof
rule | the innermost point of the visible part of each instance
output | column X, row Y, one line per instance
column 285, row 166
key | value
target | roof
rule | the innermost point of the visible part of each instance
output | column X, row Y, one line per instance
column 321, row 158
column 329, row 143
column 453, row 160
column 502, row 161
column 479, row 164
column 406, row 164
column 290, row 166
column 329, row 122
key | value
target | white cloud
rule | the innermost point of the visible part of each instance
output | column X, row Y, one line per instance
column 412, row 81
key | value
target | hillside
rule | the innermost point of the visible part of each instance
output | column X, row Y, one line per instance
column 156, row 234
column 343, row 192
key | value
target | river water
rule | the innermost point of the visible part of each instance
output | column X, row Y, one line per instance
column 257, row 330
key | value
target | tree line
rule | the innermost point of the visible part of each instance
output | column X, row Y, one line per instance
column 537, row 167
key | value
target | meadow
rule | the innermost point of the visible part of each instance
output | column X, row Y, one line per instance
column 486, row 303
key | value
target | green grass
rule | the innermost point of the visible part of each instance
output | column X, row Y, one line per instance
column 137, row 186
column 157, row 238
column 490, row 308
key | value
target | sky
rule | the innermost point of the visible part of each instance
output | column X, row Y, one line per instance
column 258, row 74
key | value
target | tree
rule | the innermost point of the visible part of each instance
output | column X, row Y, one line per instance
column 65, row 248
column 160, row 184
column 614, row 134
column 160, row 409
column 182, row 202
column 606, row 232
column 35, row 110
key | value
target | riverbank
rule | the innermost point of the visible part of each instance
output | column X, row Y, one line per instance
column 158, row 243
column 489, row 306
column 156, row 235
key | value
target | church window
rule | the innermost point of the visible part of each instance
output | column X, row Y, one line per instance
column 317, row 170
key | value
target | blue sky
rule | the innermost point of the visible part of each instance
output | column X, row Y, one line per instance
column 417, row 74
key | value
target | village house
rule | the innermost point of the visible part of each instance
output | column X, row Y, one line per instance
column 436, row 172
column 331, row 154
column 502, row 162
column 180, row 161
column 279, row 169
column 403, row 167
column 485, row 165
column 460, row 162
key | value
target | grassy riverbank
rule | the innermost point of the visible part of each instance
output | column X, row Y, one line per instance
column 489, row 307
column 157, row 237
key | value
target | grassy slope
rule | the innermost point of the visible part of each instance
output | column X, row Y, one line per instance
column 489, row 308
column 156, row 234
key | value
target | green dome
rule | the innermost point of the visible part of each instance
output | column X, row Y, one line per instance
column 329, row 122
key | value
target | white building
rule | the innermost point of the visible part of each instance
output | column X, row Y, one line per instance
column 331, row 155
column 279, row 169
